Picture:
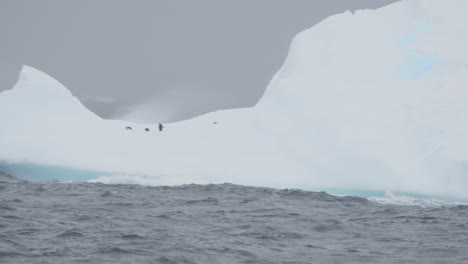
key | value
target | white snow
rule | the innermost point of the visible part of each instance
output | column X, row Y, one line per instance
column 374, row 101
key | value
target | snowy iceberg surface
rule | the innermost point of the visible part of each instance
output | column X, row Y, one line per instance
column 371, row 101
column 43, row 124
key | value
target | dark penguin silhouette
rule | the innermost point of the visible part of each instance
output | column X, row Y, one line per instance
column 161, row 127
column 147, row 129
column 128, row 128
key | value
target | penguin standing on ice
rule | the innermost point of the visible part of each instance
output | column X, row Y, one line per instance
column 161, row 127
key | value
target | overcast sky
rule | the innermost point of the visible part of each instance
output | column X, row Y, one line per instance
column 181, row 57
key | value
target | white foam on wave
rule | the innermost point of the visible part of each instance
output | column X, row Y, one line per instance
column 391, row 198
column 147, row 180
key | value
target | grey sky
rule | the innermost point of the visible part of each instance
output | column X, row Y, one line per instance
column 183, row 57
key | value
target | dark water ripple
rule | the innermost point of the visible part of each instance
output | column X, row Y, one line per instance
column 96, row 223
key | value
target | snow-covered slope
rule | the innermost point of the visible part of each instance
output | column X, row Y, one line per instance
column 371, row 101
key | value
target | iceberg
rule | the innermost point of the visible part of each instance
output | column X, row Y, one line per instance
column 373, row 101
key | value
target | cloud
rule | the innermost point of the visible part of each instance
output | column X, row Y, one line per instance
column 98, row 99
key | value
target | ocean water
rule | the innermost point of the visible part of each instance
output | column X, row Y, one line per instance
column 97, row 223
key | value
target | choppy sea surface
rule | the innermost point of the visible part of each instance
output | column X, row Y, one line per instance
column 97, row 223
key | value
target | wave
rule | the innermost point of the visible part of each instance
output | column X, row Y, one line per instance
column 387, row 198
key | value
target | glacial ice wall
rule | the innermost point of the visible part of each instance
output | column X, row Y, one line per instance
column 379, row 95
column 371, row 101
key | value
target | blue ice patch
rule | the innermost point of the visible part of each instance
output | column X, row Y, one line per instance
column 414, row 34
column 416, row 65
column 44, row 173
